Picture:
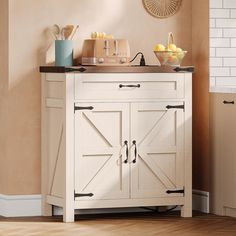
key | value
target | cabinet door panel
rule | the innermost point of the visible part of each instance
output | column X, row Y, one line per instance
column 100, row 151
column 227, row 128
column 158, row 132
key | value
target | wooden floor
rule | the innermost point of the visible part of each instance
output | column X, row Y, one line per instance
column 144, row 224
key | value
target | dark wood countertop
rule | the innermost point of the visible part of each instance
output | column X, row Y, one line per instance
column 116, row 69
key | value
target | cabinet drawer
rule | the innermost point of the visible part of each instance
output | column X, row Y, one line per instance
column 129, row 86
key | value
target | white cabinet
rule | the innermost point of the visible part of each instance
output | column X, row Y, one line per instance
column 116, row 140
column 223, row 134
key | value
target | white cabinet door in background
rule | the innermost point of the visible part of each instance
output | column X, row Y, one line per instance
column 159, row 134
column 227, row 130
column 100, row 150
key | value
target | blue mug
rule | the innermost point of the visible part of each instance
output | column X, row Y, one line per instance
column 64, row 53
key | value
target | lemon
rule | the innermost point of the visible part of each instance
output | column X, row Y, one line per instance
column 159, row 48
column 181, row 55
column 167, row 54
column 179, row 50
column 172, row 47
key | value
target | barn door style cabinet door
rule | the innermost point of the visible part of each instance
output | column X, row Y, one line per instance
column 114, row 140
column 157, row 140
column 101, row 151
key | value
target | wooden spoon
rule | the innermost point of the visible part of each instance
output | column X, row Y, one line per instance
column 68, row 31
column 56, row 31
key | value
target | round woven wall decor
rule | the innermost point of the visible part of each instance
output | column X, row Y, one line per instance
column 162, row 8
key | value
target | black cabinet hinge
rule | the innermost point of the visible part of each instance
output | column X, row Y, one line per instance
column 175, row 107
column 184, row 69
column 73, row 69
column 78, row 108
column 83, row 195
column 175, row 191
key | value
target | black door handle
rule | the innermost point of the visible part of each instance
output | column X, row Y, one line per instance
column 228, row 102
column 127, row 152
column 135, row 152
column 129, row 86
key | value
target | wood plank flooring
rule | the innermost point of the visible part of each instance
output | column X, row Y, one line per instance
column 145, row 224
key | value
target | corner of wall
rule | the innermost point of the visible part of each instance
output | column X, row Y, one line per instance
column 200, row 59
column 4, row 73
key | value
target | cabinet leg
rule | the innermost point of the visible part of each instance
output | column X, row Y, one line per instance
column 68, row 215
column 186, row 211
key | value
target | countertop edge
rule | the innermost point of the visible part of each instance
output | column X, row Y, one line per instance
column 115, row 69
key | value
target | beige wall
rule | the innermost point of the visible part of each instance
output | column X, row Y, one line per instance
column 28, row 42
column 200, row 56
column 3, row 90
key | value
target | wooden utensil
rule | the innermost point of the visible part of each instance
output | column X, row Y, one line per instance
column 68, row 31
column 63, row 33
column 56, row 31
column 75, row 30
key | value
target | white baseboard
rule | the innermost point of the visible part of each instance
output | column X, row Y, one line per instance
column 20, row 205
column 201, row 201
column 30, row 205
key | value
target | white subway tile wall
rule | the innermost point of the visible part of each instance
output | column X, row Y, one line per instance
column 216, row 62
column 216, row 3
column 222, row 45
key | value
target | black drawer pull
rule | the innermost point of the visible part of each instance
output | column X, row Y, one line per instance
column 129, row 86
column 127, row 152
column 228, row 102
column 83, row 108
